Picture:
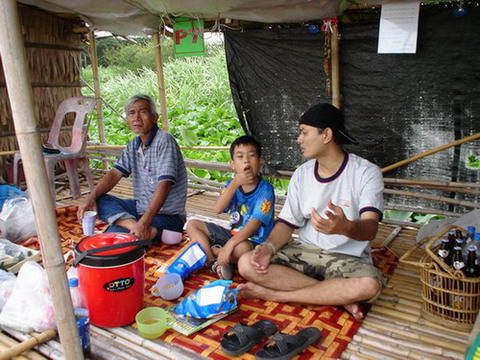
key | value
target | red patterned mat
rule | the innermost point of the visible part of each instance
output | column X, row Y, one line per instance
column 336, row 325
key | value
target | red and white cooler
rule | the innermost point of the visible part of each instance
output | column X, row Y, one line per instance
column 111, row 275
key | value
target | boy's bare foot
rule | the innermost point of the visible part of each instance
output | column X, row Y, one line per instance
column 355, row 310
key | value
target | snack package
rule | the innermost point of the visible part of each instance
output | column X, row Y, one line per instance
column 188, row 259
column 212, row 300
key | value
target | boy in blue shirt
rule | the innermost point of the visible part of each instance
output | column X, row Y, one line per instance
column 250, row 201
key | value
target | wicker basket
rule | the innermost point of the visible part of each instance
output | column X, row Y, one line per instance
column 449, row 298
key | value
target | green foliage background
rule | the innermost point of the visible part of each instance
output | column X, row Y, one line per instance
column 200, row 105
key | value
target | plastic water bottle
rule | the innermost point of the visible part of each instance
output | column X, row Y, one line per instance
column 476, row 244
column 83, row 326
column 77, row 299
column 468, row 241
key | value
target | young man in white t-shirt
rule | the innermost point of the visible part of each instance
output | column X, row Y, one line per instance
column 336, row 200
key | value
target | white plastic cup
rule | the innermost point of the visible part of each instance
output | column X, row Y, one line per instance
column 88, row 222
column 171, row 237
column 168, row 287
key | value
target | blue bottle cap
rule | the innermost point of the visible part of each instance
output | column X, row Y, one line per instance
column 73, row 282
column 471, row 229
column 476, row 236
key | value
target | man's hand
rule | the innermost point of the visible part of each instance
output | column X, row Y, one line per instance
column 143, row 231
column 335, row 223
column 88, row 204
column 262, row 254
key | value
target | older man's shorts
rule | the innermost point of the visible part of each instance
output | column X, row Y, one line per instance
column 322, row 265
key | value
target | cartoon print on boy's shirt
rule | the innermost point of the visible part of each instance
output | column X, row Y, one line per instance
column 265, row 207
column 238, row 218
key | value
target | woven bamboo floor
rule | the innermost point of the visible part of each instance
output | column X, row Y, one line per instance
column 393, row 328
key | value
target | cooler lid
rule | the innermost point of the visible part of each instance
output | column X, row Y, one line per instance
column 107, row 239
column 112, row 257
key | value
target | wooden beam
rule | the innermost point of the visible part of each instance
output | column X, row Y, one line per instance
column 160, row 78
column 20, row 94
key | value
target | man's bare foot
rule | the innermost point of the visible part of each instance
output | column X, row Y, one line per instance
column 254, row 291
column 355, row 310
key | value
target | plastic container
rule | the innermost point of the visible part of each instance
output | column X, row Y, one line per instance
column 111, row 273
column 169, row 287
column 152, row 322
column 171, row 237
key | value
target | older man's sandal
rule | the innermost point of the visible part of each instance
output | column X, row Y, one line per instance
column 241, row 338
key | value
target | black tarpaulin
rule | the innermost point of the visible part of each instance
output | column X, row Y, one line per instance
column 397, row 105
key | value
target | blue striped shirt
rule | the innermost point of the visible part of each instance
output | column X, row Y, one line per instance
column 160, row 160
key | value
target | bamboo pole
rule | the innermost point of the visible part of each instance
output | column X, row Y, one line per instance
column 28, row 344
column 336, row 96
column 434, row 198
column 21, row 101
column 430, row 152
column 96, row 84
column 96, row 87
column 426, row 183
column 160, row 79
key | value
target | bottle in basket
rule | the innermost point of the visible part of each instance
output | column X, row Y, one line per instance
column 457, row 259
column 444, row 252
column 458, row 234
column 451, row 239
column 472, row 269
column 457, row 300
column 476, row 243
column 468, row 240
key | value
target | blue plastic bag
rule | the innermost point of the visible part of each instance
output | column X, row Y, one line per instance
column 190, row 258
column 214, row 299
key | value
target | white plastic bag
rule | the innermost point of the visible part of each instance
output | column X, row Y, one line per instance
column 17, row 221
column 29, row 307
column 7, row 282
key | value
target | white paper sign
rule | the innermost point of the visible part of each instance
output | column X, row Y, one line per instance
column 398, row 28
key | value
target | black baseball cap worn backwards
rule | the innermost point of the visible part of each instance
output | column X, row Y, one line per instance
column 326, row 115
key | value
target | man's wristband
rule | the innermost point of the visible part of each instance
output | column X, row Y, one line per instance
column 272, row 247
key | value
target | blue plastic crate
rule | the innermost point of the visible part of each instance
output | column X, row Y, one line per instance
column 7, row 192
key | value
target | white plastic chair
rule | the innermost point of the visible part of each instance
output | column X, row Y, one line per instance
column 72, row 155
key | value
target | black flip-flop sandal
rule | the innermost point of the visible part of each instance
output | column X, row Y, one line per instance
column 283, row 346
column 225, row 271
column 241, row 338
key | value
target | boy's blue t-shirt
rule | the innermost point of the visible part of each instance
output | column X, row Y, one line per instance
column 257, row 204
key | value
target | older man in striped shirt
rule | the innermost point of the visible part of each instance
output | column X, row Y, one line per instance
column 156, row 165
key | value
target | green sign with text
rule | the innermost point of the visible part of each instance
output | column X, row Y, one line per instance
column 188, row 36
